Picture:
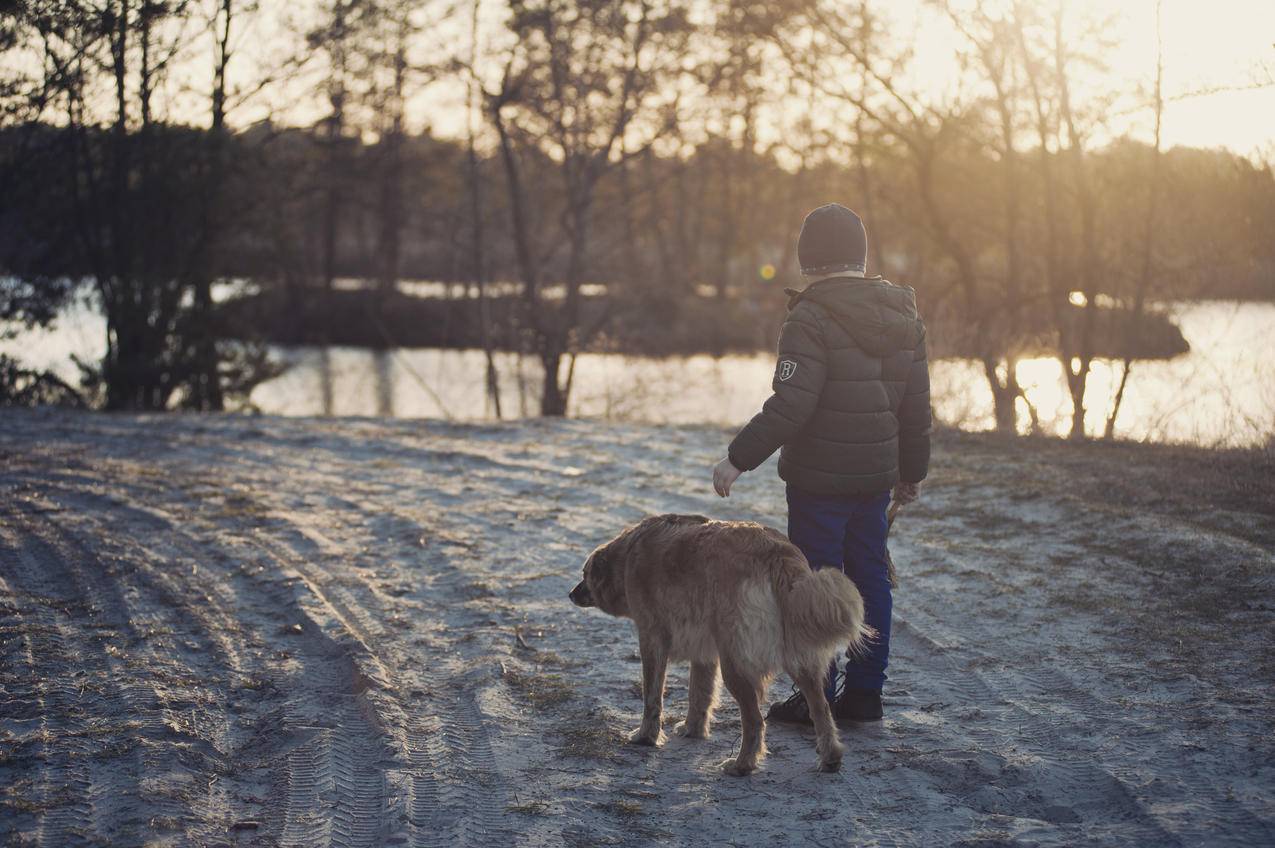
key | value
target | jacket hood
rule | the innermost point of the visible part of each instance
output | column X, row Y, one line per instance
column 880, row 316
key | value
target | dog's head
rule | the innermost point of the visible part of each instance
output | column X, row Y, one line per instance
column 602, row 585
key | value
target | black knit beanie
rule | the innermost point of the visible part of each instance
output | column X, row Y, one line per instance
column 832, row 240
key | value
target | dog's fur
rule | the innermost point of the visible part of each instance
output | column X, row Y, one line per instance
column 731, row 593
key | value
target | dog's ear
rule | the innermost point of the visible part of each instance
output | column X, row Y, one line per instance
column 604, row 582
column 599, row 562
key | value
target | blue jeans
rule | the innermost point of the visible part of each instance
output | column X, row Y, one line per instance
column 848, row 532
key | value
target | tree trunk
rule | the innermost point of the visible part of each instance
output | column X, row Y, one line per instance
column 206, row 393
column 553, row 400
column 335, row 146
column 478, row 255
column 1077, row 379
column 1081, row 348
column 391, row 205
column 391, row 213
column 1148, row 233
column 1110, row 432
column 1004, row 394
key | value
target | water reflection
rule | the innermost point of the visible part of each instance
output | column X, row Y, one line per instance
column 383, row 368
column 1222, row 392
column 327, row 399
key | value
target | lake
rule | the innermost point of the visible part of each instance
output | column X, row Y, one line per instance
column 1221, row 393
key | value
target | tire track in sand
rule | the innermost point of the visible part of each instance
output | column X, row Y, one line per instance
column 71, row 674
column 333, row 742
column 327, row 771
column 332, row 737
column 335, row 745
column 180, row 596
column 455, row 785
column 453, row 790
column 1081, row 786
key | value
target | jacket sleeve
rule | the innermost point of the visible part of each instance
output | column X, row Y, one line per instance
column 914, row 420
column 798, row 382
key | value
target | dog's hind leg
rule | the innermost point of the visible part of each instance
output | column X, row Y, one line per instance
column 810, row 682
column 701, row 699
column 654, row 667
column 749, row 693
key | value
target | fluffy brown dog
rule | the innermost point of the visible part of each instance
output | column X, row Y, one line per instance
column 728, row 592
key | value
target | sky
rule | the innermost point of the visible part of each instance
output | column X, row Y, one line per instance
column 1208, row 44
column 1211, row 44
column 1226, row 47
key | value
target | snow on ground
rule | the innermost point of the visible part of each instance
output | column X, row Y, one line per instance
column 261, row 631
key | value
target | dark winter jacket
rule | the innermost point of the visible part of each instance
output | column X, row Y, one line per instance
column 851, row 403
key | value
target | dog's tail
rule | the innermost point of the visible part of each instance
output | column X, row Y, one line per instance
column 822, row 611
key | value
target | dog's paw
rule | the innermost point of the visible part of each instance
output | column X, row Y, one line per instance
column 642, row 736
column 733, row 768
column 830, row 757
column 691, row 731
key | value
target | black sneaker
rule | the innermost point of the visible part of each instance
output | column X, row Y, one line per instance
column 795, row 710
column 857, row 705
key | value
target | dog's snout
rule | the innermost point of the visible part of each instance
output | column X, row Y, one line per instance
column 580, row 595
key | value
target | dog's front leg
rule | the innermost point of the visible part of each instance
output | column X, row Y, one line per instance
column 654, row 667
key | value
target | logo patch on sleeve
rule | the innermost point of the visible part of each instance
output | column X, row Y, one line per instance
column 786, row 369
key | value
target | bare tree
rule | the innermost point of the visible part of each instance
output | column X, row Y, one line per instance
column 337, row 39
column 995, row 53
column 578, row 80
column 475, row 188
column 1047, row 61
column 1148, row 270
column 142, row 194
column 205, row 391
column 391, row 100
column 118, row 189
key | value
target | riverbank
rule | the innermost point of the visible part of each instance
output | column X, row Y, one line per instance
column 260, row 631
column 674, row 324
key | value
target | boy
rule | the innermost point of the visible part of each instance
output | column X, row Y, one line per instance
column 851, row 412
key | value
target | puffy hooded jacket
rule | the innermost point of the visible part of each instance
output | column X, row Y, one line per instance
column 851, row 402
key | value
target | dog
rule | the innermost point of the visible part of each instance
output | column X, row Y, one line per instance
column 733, row 594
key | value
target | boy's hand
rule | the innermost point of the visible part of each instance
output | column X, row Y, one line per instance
column 724, row 476
column 905, row 493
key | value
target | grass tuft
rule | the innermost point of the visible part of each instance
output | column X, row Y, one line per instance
column 596, row 735
column 537, row 688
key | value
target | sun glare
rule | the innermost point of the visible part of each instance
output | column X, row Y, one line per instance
column 1219, row 65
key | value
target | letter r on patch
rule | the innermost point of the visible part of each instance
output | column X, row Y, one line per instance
column 786, row 369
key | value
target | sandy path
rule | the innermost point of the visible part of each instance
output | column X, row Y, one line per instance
column 285, row 632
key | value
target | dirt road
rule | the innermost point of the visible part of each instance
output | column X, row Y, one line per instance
column 236, row 631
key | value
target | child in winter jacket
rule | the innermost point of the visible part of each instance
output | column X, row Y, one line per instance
column 850, row 416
